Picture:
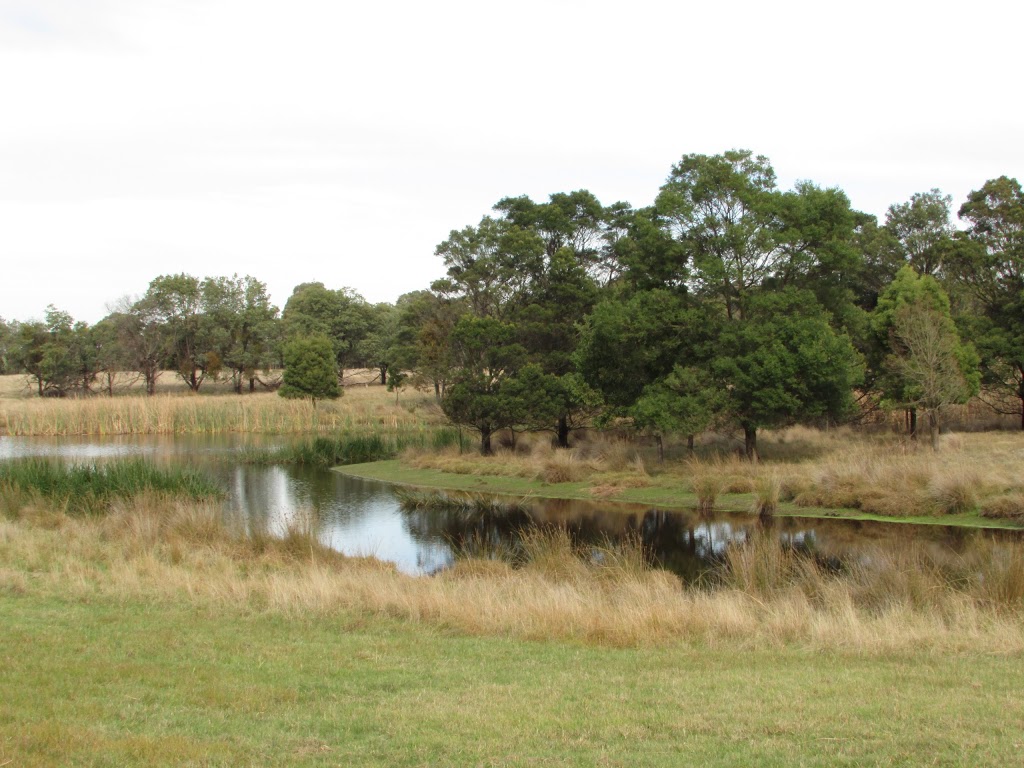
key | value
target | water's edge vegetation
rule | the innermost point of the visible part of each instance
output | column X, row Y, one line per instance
column 668, row 497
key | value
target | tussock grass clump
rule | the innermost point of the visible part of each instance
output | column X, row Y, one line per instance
column 563, row 467
column 706, row 486
column 767, row 492
column 1005, row 506
column 955, row 492
column 440, row 501
column 760, row 567
column 90, row 488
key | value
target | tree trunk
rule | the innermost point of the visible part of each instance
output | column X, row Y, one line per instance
column 750, row 442
column 383, row 374
column 689, row 443
column 252, row 383
column 912, row 419
column 437, row 389
column 933, row 429
column 485, row 442
column 563, row 431
column 661, row 448
column 1020, row 394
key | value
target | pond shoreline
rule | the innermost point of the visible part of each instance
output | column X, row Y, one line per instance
column 395, row 473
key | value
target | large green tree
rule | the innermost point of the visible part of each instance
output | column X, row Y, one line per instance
column 423, row 342
column 912, row 312
column 342, row 315
column 176, row 304
column 922, row 230
column 783, row 363
column 723, row 209
column 54, row 353
column 243, row 326
column 487, row 357
column 993, row 276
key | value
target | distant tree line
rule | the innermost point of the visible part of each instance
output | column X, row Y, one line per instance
column 199, row 329
column 726, row 302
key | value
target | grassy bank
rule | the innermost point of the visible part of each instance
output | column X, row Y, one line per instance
column 159, row 547
column 974, row 480
column 124, row 633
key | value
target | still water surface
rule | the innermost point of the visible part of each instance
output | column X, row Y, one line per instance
column 360, row 517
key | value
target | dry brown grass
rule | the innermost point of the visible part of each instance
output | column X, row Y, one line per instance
column 159, row 549
column 896, row 478
column 617, row 464
column 839, row 468
column 263, row 413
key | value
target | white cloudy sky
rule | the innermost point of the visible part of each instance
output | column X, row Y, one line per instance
column 340, row 141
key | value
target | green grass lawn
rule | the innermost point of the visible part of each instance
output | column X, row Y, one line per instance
column 105, row 682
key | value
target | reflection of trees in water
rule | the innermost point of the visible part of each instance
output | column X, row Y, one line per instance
column 687, row 545
column 467, row 529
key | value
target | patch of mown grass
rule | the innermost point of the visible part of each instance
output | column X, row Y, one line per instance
column 89, row 488
column 107, row 682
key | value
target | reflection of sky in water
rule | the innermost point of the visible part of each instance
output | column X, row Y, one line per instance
column 349, row 515
column 70, row 449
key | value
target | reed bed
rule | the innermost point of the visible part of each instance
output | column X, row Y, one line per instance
column 155, row 549
column 90, row 488
column 263, row 413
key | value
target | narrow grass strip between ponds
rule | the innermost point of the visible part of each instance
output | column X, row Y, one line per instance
column 672, row 497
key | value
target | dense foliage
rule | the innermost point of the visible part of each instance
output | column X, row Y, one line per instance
column 728, row 302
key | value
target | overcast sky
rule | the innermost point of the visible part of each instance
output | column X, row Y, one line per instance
column 341, row 142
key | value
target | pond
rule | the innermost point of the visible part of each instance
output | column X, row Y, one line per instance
column 361, row 517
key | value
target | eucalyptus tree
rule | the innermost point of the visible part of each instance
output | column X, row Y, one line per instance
column 379, row 347
column 723, row 210
column 923, row 363
column 341, row 315
column 491, row 266
column 423, row 342
column 112, row 356
column 175, row 302
column 242, row 326
column 54, row 354
column 992, row 273
column 6, row 332
column 686, row 402
column 922, row 230
column 531, row 268
column 139, row 330
column 487, row 356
